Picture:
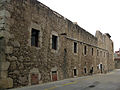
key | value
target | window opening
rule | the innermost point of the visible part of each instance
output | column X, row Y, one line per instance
column 54, row 42
column 75, row 47
column 85, row 50
column 34, row 37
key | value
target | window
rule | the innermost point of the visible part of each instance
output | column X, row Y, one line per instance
column 75, row 47
column 92, row 51
column 34, row 37
column 85, row 50
column 54, row 42
column 97, row 52
column 101, row 53
column 85, row 70
column 104, row 54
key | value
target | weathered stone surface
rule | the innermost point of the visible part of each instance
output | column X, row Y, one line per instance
column 13, row 58
column 9, row 50
column 23, row 80
column 4, row 13
column 13, row 66
column 16, row 44
column 3, row 74
column 6, row 83
column 16, row 72
column 4, row 65
column 28, row 62
column 21, row 58
column 2, row 1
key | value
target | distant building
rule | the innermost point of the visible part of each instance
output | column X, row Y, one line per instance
column 38, row 45
column 117, row 59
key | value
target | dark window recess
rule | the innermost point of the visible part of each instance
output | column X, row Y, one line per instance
column 92, row 51
column 100, row 53
column 97, row 52
column 34, row 37
column 104, row 54
column 85, row 50
column 54, row 71
column 54, row 42
column 75, row 72
column 85, row 70
column 75, row 47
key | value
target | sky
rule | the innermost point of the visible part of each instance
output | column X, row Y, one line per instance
column 92, row 15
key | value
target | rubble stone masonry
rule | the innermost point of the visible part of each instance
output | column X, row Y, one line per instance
column 59, row 48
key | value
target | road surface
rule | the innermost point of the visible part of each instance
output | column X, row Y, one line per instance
column 109, row 81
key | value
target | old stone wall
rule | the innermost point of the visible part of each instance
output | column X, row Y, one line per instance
column 30, row 65
column 5, row 81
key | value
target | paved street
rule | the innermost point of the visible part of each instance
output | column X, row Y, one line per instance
column 110, row 81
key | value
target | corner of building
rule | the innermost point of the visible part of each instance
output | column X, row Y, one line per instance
column 5, row 81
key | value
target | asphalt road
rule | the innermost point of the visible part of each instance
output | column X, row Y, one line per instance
column 109, row 81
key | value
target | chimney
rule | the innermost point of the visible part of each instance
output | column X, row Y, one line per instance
column 75, row 23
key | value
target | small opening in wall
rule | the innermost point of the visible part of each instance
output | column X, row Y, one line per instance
column 104, row 54
column 91, row 71
column 85, row 50
column 54, row 42
column 97, row 52
column 101, row 53
column 75, row 47
column 34, row 37
column 75, row 72
column 92, row 51
column 85, row 70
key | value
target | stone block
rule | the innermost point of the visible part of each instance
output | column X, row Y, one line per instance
column 2, row 57
column 6, row 83
column 3, row 74
column 4, row 13
column 15, row 44
column 2, row 20
column 13, row 66
column 9, row 50
column 13, row 58
column 4, row 66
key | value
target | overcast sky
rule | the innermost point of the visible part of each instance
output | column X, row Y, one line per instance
column 92, row 15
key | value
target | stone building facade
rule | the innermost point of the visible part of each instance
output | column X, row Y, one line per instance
column 38, row 45
column 117, row 59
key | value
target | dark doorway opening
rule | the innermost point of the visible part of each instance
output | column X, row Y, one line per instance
column 101, row 68
column 75, row 72
column 85, row 70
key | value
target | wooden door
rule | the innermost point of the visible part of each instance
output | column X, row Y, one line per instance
column 54, row 75
column 34, row 79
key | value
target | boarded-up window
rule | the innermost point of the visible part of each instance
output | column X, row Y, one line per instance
column 54, row 42
column 75, row 47
column 34, row 37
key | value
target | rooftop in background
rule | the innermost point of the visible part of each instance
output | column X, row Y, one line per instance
column 117, row 55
